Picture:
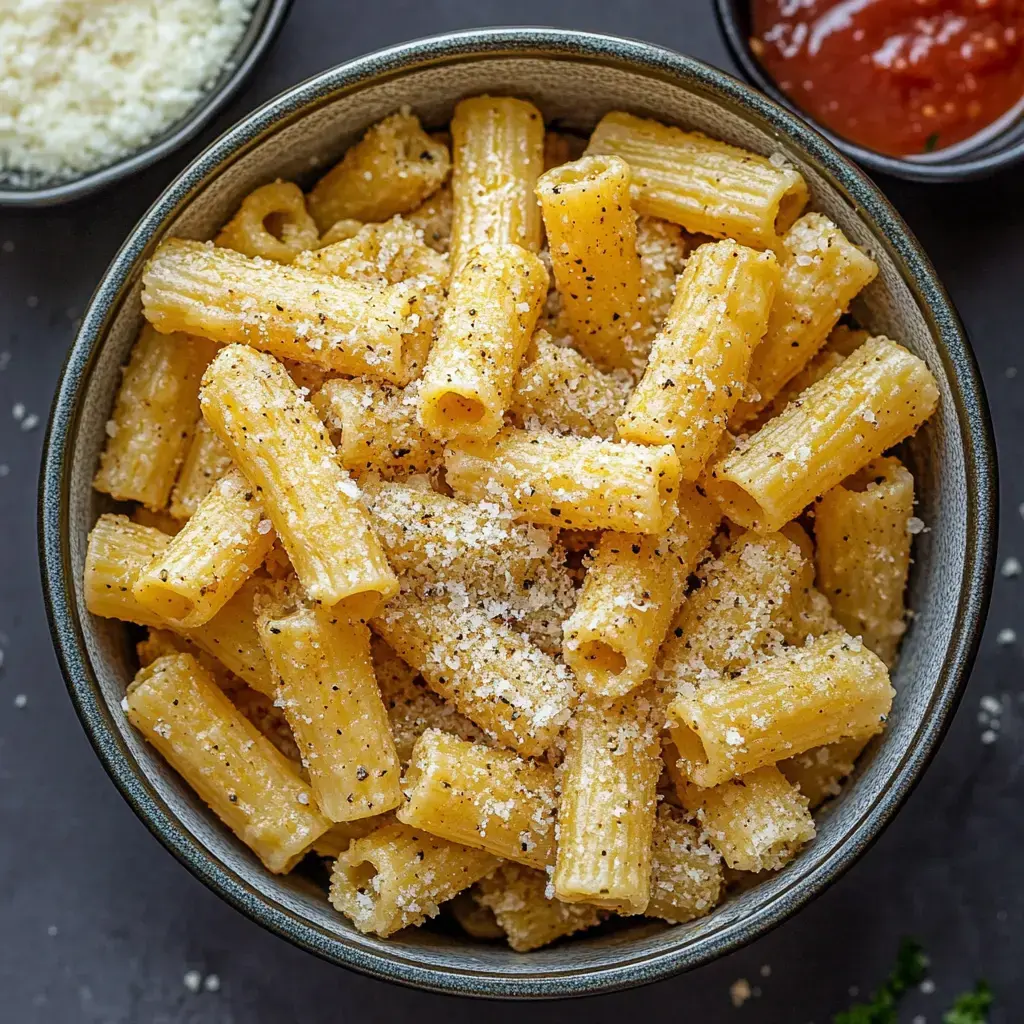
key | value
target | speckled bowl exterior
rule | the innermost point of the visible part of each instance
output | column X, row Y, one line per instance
column 989, row 153
column 264, row 24
column 574, row 78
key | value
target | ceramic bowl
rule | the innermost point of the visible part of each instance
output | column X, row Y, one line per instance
column 574, row 78
column 996, row 147
column 264, row 24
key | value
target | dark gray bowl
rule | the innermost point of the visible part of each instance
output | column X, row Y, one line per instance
column 264, row 24
column 574, row 78
column 987, row 153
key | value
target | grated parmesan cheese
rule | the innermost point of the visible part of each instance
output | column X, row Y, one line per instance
column 89, row 81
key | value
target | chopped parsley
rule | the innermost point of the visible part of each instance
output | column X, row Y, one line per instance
column 911, row 968
column 971, row 1007
column 931, row 142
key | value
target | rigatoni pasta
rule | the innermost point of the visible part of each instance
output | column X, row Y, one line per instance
column 878, row 396
column 707, row 186
column 701, row 357
column 570, row 482
column 591, row 233
column 151, row 425
column 280, row 444
column 542, row 549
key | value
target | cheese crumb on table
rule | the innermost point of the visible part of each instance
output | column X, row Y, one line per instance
column 87, row 82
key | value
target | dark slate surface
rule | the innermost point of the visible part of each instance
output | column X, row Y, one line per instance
column 99, row 924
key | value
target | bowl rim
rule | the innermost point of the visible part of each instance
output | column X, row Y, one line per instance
column 935, row 170
column 954, row 352
column 266, row 21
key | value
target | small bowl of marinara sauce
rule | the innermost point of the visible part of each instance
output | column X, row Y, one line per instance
column 925, row 89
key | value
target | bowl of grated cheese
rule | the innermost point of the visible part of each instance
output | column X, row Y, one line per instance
column 283, row 149
column 94, row 92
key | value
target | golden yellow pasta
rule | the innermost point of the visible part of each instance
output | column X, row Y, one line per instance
column 663, row 248
column 514, row 691
column 279, row 443
column 701, row 358
column 822, row 272
column 874, row 399
column 497, row 157
column 206, row 461
column 560, row 391
column 802, row 697
column 686, row 872
column 272, row 222
column 392, row 169
column 398, row 876
column 528, row 917
column 233, row 768
column 571, row 482
column 591, row 233
column 757, row 822
column 329, row 694
column 376, row 430
column 212, row 555
column 151, row 425
column 607, row 811
column 338, row 324
column 707, row 186
column 863, row 552
column 494, row 299
column 630, row 593
column 434, row 218
column 490, row 799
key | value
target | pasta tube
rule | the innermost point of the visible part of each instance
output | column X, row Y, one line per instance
column 708, row 186
column 340, row 325
column 244, row 779
column 686, row 872
column 398, row 876
column 570, row 482
column 876, row 398
column 210, row 557
column 490, row 799
column 818, row 772
column 329, row 694
column 562, row 392
column 515, row 692
column 863, row 552
column 392, row 169
column 822, row 272
column 497, row 157
column 700, row 360
column 802, row 697
column 591, row 233
column 206, row 461
column 630, row 593
column 272, row 222
column 607, row 812
column 494, row 299
column 475, row 920
column 757, row 822
column 280, row 445
column 119, row 550
column 155, row 411
column 376, row 430
column 411, row 706
column 528, row 917
column 434, row 218
column 340, row 836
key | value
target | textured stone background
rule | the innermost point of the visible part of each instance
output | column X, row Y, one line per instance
column 99, row 924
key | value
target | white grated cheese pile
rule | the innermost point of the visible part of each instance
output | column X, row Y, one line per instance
column 86, row 82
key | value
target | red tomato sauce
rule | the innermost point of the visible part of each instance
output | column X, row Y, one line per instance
column 897, row 76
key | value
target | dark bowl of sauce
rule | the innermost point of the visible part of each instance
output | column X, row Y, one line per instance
column 931, row 90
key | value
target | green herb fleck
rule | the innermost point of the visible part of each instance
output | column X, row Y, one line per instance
column 931, row 142
column 911, row 968
column 971, row 1007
